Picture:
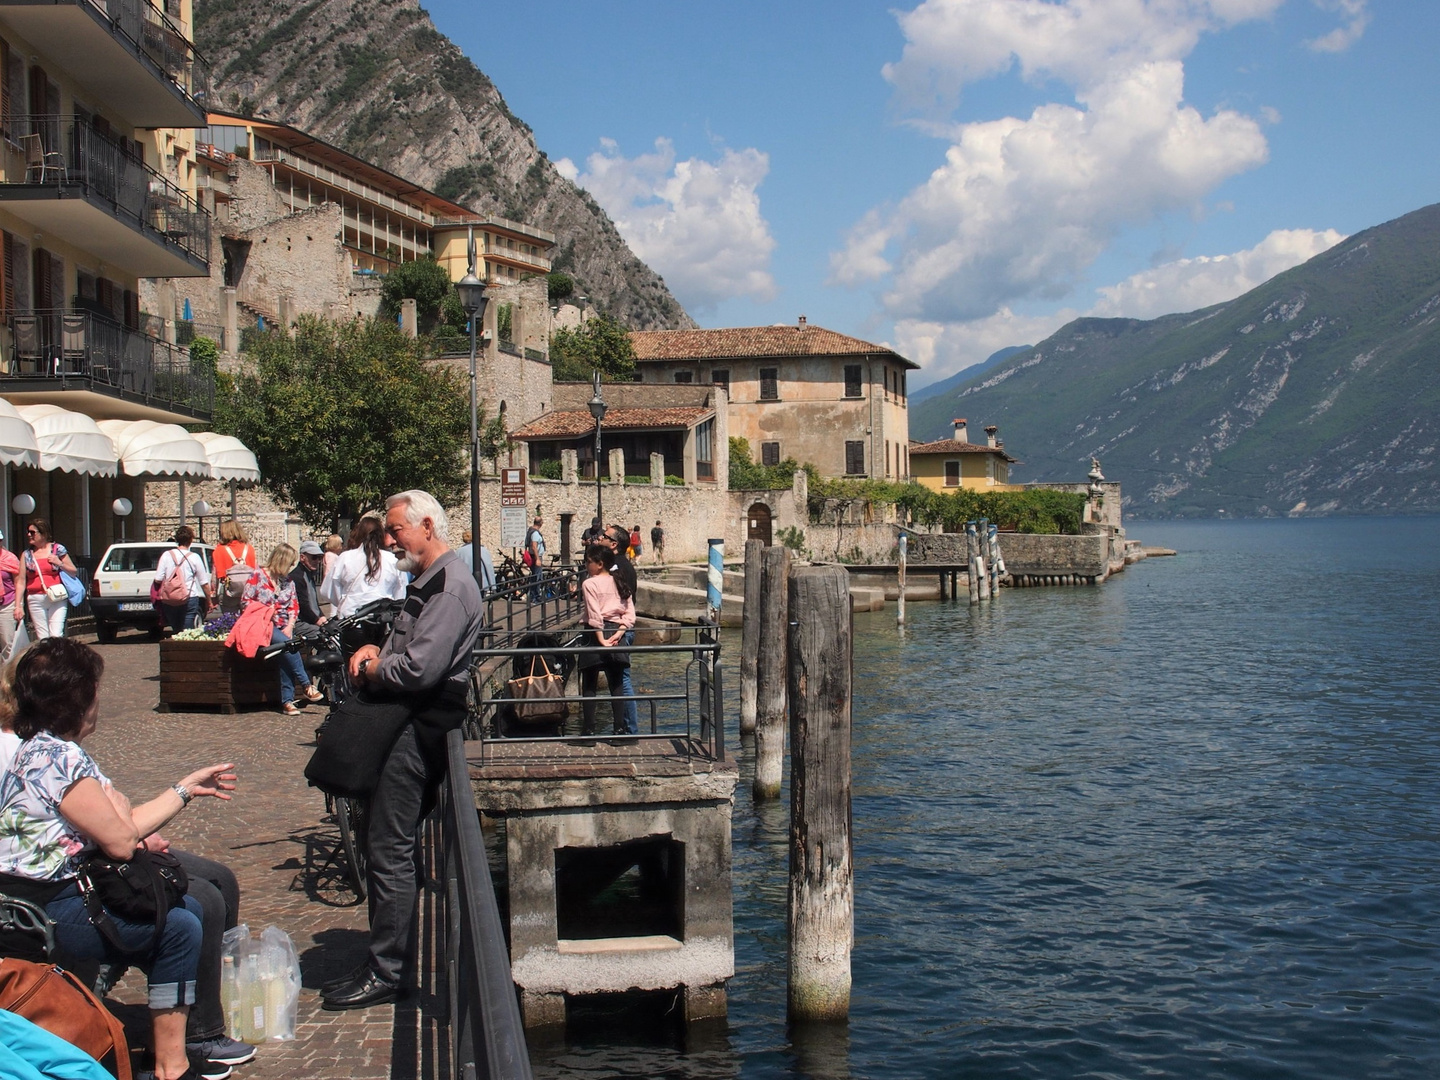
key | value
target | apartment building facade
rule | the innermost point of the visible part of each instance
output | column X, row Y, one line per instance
column 800, row 392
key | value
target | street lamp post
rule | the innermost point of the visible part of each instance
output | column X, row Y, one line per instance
column 472, row 298
column 597, row 410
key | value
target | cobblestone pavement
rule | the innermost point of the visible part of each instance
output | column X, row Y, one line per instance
column 276, row 837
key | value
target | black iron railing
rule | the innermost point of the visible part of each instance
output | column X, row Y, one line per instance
column 544, row 601
column 84, row 350
column 67, row 153
column 486, row 1037
column 686, row 708
column 157, row 36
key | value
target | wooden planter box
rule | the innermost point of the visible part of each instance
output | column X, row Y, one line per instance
column 206, row 674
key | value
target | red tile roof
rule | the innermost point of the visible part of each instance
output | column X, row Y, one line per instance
column 950, row 446
column 572, row 423
column 754, row 342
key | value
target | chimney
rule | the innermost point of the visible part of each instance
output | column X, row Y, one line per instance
column 802, row 322
column 990, row 433
column 961, row 432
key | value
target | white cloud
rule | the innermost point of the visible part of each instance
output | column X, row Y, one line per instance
column 943, row 348
column 1190, row 284
column 1357, row 18
column 1021, row 207
column 697, row 223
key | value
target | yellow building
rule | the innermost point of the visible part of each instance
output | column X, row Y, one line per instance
column 97, row 105
column 956, row 462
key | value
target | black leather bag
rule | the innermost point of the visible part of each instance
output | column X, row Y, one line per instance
column 353, row 743
column 142, row 889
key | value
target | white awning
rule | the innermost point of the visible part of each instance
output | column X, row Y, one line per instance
column 70, row 441
column 150, row 449
column 230, row 458
column 17, row 438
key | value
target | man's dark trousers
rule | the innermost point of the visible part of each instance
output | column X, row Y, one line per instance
column 396, row 810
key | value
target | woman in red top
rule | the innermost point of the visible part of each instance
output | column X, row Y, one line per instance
column 234, row 550
column 271, row 585
column 43, row 563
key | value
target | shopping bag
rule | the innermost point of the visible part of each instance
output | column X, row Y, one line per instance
column 259, row 984
column 535, row 695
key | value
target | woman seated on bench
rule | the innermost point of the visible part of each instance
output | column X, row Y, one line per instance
column 57, row 807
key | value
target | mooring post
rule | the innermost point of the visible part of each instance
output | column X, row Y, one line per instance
column 715, row 578
column 900, row 573
column 997, row 561
column 822, row 883
column 771, row 672
column 982, row 562
column 750, row 635
column 971, row 557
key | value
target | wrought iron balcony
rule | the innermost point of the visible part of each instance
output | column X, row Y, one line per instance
column 131, row 54
column 68, row 179
column 52, row 350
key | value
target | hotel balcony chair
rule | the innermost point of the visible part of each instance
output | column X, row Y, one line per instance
column 73, row 353
column 29, row 353
column 39, row 162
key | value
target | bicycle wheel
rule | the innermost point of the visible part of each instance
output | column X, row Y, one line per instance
column 352, row 820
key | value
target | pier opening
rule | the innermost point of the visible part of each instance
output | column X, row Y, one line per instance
column 630, row 890
column 632, row 1017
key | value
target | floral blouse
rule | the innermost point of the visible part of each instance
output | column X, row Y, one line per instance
column 35, row 840
column 262, row 589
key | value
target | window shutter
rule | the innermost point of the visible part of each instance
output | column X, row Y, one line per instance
column 57, row 298
column 19, row 274
column 132, row 310
column 7, row 289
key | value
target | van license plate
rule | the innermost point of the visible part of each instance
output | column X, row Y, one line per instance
column 146, row 606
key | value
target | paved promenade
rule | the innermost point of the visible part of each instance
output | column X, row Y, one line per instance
column 276, row 838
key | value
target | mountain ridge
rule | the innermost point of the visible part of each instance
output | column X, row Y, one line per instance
column 1316, row 392
column 378, row 80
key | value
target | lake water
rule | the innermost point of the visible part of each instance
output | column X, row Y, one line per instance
column 1181, row 825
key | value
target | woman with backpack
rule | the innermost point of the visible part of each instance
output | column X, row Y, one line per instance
column 183, row 582
column 235, row 561
column 44, row 559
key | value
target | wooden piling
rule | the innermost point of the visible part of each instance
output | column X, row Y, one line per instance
column 903, row 545
column 822, row 884
column 750, row 635
column 944, row 581
column 771, row 672
column 972, row 554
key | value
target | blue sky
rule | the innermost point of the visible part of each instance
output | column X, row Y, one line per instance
column 952, row 176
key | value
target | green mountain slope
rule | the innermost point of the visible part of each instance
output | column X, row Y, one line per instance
column 1318, row 392
column 375, row 78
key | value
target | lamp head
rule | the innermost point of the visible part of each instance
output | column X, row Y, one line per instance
column 471, row 291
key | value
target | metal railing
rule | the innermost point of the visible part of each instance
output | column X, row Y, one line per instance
column 163, row 40
column 65, row 152
column 486, row 1036
column 539, row 602
column 84, row 350
column 685, row 711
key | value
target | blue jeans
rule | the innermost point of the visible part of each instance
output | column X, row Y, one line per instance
column 183, row 616
column 632, row 708
column 292, row 668
column 170, row 964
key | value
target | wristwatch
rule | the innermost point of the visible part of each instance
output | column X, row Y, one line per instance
column 365, row 664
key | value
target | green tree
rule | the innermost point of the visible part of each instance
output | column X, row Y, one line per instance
column 342, row 415
column 559, row 286
column 427, row 283
column 599, row 342
column 745, row 475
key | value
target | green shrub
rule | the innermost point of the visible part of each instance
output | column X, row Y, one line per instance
column 745, row 475
column 549, row 469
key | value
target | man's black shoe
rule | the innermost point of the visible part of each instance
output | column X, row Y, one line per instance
column 357, row 972
column 369, row 989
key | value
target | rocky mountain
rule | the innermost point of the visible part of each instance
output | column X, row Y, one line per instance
column 376, row 78
column 1317, row 392
column 944, row 386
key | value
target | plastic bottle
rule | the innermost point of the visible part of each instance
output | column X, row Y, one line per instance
column 274, row 991
column 254, row 991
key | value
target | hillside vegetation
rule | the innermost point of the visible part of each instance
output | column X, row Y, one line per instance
column 375, row 78
column 1318, row 392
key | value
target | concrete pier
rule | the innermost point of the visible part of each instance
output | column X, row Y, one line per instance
column 618, row 858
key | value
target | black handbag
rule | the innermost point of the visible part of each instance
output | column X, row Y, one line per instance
column 353, row 743
column 142, row 889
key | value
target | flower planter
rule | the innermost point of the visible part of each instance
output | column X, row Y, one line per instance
column 207, row 674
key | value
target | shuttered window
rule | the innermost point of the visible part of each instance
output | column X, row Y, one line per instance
column 852, row 380
column 855, row 457
column 952, row 474
column 769, row 384
column 769, row 453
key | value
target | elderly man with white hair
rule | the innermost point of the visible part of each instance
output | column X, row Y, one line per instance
column 425, row 664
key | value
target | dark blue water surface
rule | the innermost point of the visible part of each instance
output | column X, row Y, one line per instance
column 1181, row 825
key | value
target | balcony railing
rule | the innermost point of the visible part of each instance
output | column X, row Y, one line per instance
column 65, row 152
column 84, row 350
column 154, row 33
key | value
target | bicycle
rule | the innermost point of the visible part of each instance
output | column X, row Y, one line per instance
column 326, row 663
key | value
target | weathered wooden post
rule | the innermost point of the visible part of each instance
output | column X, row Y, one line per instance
column 822, row 883
column 982, row 562
column 997, row 561
column 900, row 573
column 771, row 673
column 750, row 635
column 971, row 556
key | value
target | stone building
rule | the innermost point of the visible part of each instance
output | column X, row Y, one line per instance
column 799, row 392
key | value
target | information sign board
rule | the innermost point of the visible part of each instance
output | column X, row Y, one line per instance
column 512, row 487
column 512, row 527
